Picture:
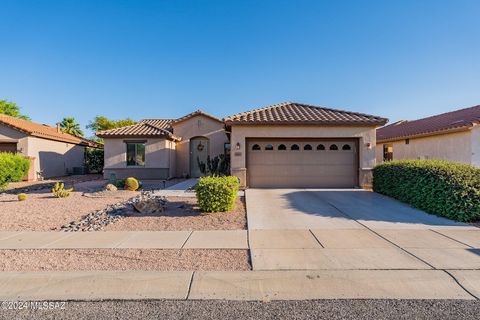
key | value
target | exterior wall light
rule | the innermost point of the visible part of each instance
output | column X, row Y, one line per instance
column 237, row 146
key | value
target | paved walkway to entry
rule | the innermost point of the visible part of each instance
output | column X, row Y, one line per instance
column 181, row 189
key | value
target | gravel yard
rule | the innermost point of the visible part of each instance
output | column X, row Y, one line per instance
column 183, row 214
column 42, row 212
column 123, row 259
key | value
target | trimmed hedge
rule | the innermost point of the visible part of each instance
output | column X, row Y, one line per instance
column 217, row 194
column 13, row 168
column 439, row 187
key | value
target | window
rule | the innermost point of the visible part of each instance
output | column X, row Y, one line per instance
column 269, row 147
column 387, row 152
column 333, row 147
column 346, row 147
column 282, row 147
column 294, row 147
column 407, row 141
column 320, row 147
column 135, row 154
column 256, row 147
column 307, row 147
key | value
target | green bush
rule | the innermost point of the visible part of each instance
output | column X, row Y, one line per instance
column 217, row 194
column 131, row 184
column 13, row 168
column 439, row 187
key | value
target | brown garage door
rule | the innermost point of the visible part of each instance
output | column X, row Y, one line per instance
column 302, row 163
column 8, row 147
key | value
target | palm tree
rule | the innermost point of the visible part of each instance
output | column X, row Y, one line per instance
column 69, row 125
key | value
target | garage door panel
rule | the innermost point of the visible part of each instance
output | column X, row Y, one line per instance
column 320, row 168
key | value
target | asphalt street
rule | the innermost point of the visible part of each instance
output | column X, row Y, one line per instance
column 218, row 309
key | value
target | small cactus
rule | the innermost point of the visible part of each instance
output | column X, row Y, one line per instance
column 59, row 190
column 131, row 184
column 22, row 196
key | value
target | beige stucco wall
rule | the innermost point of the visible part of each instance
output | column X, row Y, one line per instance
column 365, row 135
column 197, row 126
column 55, row 158
column 8, row 134
column 476, row 145
column 159, row 159
column 453, row 147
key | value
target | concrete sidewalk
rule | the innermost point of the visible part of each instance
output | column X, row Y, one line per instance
column 215, row 239
column 242, row 285
column 342, row 249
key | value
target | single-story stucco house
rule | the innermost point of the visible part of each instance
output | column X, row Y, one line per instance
column 284, row 145
column 52, row 152
column 453, row 136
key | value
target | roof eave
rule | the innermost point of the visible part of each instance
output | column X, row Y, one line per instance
column 194, row 114
column 316, row 123
column 120, row 136
column 426, row 134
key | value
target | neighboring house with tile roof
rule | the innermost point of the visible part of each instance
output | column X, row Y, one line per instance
column 284, row 145
column 53, row 153
column 453, row 136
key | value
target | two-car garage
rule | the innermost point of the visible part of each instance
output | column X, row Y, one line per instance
column 302, row 163
column 294, row 145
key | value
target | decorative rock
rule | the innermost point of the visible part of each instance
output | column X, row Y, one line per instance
column 149, row 203
column 98, row 220
column 110, row 187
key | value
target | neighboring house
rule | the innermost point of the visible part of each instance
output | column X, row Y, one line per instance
column 453, row 136
column 285, row 145
column 52, row 152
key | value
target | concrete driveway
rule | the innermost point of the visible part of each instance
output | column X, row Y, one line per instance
column 298, row 229
column 335, row 209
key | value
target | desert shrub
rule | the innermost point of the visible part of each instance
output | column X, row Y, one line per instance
column 13, row 168
column 439, row 187
column 59, row 190
column 94, row 160
column 217, row 194
column 22, row 197
column 218, row 166
column 131, row 184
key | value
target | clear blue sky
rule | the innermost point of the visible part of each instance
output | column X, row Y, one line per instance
column 143, row 59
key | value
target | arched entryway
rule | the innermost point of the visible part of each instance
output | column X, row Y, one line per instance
column 199, row 150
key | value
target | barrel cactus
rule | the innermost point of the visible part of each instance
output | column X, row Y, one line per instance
column 22, row 197
column 131, row 184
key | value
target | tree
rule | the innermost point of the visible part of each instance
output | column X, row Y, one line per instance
column 69, row 125
column 11, row 109
column 101, row 123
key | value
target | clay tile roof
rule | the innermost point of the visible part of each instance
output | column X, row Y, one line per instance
column 297, row 113
column 145, row 128
column 196, row 113
column 446, row 122
column 160, row 123
column 43, row 131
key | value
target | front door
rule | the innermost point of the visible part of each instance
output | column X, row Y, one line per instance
column 198, row 153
